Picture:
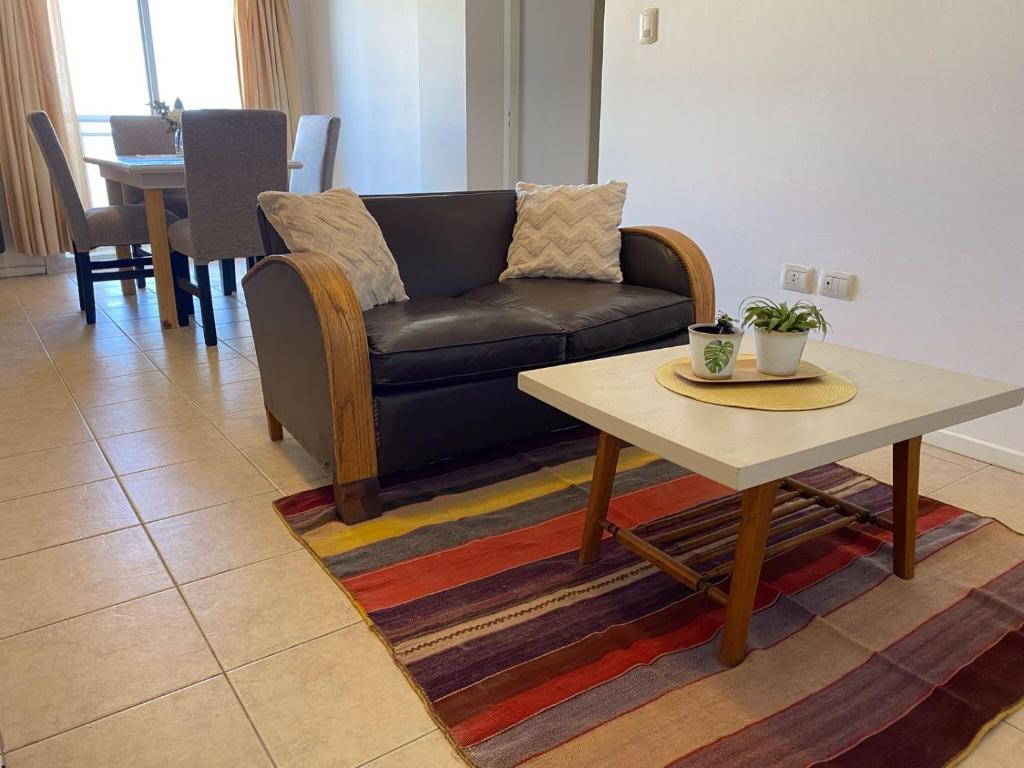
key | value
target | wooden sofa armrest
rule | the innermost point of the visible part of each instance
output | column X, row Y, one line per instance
column 695, row 277
column 315, row 370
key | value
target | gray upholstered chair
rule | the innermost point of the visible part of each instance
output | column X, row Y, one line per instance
column 143, row 135
column 316, row 144
column 95, row 227
column 146, row 135
column 231, row 156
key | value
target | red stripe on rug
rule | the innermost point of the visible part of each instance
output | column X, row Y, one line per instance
column 411, row 579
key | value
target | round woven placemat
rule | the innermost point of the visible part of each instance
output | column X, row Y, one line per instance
column 802, row 395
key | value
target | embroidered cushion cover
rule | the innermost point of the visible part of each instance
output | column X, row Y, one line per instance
column 569, row 231
column 337, row 224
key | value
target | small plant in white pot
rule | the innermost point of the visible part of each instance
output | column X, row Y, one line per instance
column 714, row 347
column 780, row 332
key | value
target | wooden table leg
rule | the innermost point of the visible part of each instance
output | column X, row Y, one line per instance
column 125, row 252
column 156, row 218
column 608, row 447
column 755, row 516
column 906, row 470
column 115, row 196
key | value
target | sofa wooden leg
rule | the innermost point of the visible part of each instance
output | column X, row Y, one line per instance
column 274, row 427
column 358, row 500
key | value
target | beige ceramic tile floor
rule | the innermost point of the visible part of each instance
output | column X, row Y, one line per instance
column 154, row 611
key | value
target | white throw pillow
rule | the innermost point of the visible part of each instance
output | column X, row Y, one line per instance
column 567, row 231
column 337, row 224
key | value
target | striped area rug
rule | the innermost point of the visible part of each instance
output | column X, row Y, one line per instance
column 527, row 658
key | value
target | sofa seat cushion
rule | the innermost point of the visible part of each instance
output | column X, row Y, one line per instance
column 596, row 317
column 444, row 340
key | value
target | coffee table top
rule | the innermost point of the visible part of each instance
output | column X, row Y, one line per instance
column 741, row 448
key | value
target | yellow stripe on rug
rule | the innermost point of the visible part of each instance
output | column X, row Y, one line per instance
column 816, row 656
column 335, row 538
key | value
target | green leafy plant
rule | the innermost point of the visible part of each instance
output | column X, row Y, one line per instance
column 760, row 312
column 717, row 355
column 726, row 324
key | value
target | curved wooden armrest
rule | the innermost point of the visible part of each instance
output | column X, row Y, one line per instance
column 344, row 348
column 702, row 282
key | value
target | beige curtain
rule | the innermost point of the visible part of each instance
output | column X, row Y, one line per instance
column 34, row 75
column 267, row 73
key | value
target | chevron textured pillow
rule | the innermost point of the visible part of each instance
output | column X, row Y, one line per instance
column 337, row 224
column 567, row 231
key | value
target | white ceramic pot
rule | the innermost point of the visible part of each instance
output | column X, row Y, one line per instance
column 713, row 355
column 778, row 354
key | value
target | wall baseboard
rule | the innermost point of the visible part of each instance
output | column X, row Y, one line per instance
column 22, row 271
column 990, row 453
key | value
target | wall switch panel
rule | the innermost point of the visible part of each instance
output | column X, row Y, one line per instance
column 838, row 285
column 797, row 277
column 648, row 26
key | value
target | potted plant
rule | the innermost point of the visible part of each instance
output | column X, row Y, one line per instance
column 714, row 347
column 780, row 332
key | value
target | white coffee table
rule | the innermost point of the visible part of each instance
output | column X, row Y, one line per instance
column 755, row 452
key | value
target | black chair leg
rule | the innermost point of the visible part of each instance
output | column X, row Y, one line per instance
column 206, row 304
column 227, row 276
column 182, row 299
column 81, row 282
column 88, row 294
column 136, row 254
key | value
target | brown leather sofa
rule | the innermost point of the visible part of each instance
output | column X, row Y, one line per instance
column 401, row 385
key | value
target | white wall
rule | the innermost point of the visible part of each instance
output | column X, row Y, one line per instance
column 877, row 137
column 442, row 94
column 398, row 73
column 556, row 46
column 364, row 67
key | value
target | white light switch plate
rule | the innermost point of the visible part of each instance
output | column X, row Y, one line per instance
column 797, row 277
column 838, row 285
column 648, row 26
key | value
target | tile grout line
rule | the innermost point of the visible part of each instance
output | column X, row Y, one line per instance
column 112, row 714
column 167, row 570
column 422, row 736
column 959, row 480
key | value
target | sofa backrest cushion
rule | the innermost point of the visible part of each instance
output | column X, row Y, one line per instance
column 448, row 243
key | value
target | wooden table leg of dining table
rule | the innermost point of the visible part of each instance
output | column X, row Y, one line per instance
column 755, row 516
column 125, row 252
column 156, row 219
column 115, row 194
column 906, row 471
column 608, row 447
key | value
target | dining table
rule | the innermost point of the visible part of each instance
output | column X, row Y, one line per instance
column 153, row 174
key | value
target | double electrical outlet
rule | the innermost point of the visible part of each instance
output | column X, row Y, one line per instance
column 831, row 282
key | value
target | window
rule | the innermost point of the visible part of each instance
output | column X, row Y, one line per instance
column 124, row 54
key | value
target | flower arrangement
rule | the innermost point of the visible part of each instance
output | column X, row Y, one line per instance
column 172, row 115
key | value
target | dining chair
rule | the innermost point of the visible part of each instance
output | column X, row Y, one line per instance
column 143, row 135
column 109, row 225
column 231, row 156
column 316, row 144
column 146, row 135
